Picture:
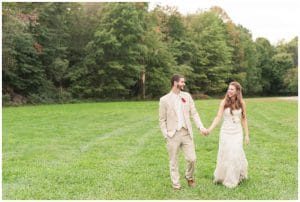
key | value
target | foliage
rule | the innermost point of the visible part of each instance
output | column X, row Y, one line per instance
column 58, row 52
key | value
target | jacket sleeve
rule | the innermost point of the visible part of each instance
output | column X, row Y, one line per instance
column 163, row 117
column 194, row 114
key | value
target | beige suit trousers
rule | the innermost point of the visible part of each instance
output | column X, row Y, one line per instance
column 182, row 139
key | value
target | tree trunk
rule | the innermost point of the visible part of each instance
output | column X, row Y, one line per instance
column 143, row 83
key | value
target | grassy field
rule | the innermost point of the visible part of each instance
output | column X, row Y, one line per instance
column 116, row 151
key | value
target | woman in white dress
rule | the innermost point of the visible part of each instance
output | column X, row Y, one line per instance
column 232, row 164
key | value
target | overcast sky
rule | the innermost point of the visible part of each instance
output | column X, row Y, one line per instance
column 272, row 19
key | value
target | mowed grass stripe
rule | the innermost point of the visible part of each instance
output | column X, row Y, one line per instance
column 273, row 145
column 133, row 125
column 116, row 151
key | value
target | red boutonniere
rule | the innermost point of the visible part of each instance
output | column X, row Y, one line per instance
column 183, row 100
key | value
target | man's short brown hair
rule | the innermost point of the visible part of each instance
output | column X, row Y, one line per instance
column 176, row 77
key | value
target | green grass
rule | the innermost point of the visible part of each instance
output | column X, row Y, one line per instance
column 116, row 151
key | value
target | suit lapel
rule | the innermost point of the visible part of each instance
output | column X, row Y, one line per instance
column 184, row 105
column 172, row 103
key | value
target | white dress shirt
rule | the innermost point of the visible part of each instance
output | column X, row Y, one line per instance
column 178, row 104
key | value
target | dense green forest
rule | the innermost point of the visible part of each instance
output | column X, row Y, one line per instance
column 67, row 52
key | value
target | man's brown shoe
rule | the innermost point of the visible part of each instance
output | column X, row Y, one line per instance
column 176, row 188
column 191, row 182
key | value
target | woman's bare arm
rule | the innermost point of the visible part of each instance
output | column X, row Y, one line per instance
column 245, row 122
column 218, row 117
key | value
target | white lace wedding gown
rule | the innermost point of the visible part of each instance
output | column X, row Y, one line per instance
column 231, row 162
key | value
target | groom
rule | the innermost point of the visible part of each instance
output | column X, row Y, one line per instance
column 175, row 110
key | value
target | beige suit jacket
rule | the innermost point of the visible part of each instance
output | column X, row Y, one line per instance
column 168, row 118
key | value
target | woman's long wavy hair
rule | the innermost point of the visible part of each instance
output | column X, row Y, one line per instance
column 235, row 102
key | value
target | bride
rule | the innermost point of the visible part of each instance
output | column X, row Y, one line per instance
column 232, row 164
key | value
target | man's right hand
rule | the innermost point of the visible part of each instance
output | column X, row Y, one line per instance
column 204, row 131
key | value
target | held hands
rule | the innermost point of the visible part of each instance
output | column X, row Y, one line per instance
column 204, row 131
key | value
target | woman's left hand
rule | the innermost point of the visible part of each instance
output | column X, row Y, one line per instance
column 247, row 140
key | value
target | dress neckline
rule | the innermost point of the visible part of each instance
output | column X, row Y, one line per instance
column 234, row 109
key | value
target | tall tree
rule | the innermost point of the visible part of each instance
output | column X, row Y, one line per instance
column 252, row 84
column 212, row 57
column 117, row 53
column 22, row 71
column 281, row 63
column 265, row 52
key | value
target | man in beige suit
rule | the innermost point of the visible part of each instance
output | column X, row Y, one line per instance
column 175, row 110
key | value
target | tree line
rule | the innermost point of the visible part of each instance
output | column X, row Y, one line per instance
column 62, row 52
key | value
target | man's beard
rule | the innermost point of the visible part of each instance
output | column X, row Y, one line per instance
column 180, row 87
